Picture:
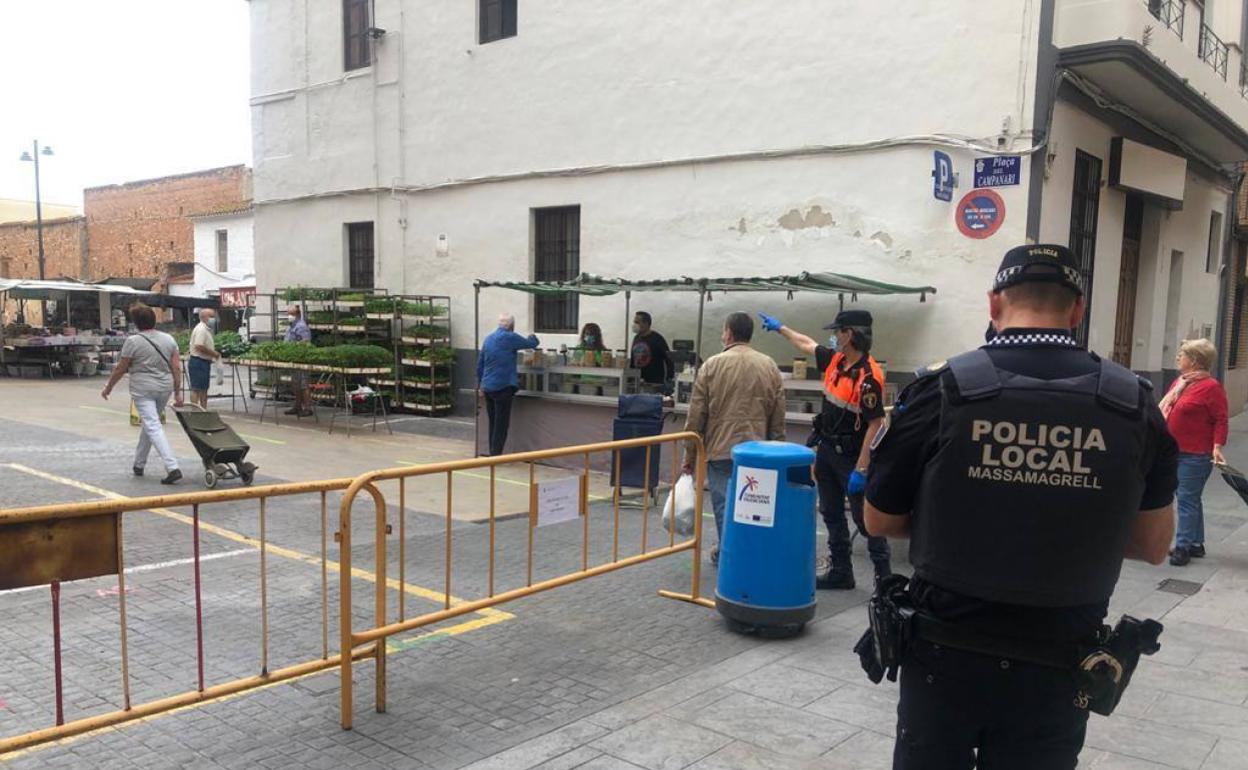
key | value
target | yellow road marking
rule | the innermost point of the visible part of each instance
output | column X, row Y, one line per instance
column 103, row 409
column 488, row 616
column 262, row 438
column 277, row 550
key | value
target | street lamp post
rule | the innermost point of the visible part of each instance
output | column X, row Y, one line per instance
column 34, row 157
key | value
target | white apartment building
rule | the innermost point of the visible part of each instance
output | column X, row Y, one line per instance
column 420, row 146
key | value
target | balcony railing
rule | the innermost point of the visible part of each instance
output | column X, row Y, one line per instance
column 1169, row 13
column 1213, row 50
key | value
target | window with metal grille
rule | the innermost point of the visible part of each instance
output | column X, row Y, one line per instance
column 1085, row 201
column 497, row 19
column 557, row 252
column 357, row 52
column 360, row 255
column 223, row 251
column 1213, row 257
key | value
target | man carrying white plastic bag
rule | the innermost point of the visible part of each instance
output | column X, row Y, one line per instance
column 737, row 397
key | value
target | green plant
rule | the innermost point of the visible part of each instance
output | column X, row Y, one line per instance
column 352, row 296
column 350, row 320
column 297, row 293
column 320, row 317
column 426, row 330
column 183, row 338
column 231, row 344
column 380, row 305
column 340, row 356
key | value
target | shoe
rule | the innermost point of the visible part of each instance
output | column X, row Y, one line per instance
column 1180, row 556
column 1196, row 551
column 835, row 581
column 174, row 477
column 138, row 471
column 715, row 556
column 291, row 411
column 882, row 571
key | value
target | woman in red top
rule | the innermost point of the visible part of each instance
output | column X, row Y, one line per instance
column 1195, row 411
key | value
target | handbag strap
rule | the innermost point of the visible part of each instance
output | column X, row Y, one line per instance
column 163, row 357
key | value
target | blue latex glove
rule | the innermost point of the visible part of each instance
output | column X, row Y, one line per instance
column 771, row 323
column 857, row 483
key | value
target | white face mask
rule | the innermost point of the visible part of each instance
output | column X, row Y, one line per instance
column 833, row 345
column 293, row 318
column 636, row 328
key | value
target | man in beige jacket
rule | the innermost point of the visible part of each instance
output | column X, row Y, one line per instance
column 737, row 397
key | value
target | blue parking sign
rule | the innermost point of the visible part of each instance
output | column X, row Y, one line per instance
column 942, row 176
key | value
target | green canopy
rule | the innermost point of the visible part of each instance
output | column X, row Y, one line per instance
column 824, row 283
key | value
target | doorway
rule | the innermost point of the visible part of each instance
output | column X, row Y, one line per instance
column 1128, row 281
column 1085, row 203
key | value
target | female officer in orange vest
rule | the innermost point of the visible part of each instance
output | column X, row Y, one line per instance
column 853, row 413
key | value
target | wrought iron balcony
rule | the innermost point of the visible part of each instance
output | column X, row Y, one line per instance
column 1213, row 50
column 1169, row 13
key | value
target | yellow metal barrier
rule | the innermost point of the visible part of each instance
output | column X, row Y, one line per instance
column 86, row 539
column 350, row 640
column 72, row 535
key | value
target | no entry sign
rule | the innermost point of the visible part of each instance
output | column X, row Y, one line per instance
column 980, row 213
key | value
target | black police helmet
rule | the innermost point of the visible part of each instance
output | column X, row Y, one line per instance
column 1047, row 262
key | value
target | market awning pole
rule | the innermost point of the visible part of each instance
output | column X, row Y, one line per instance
column 476, row 393
column 698, row 339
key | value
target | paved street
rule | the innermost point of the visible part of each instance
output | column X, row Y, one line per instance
column 599, row 674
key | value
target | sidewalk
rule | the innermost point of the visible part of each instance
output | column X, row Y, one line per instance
column 806, row 704
column 600, row 675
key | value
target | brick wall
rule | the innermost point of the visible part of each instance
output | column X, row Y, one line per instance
column 64, row 249
column 136, row 229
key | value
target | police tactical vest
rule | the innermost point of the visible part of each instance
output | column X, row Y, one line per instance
column 1031, row 494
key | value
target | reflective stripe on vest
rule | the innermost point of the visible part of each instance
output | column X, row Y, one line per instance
column 845, row 390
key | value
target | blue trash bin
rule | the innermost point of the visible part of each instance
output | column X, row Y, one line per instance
column 767, row 555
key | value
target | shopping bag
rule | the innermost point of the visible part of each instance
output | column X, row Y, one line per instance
column 134, row 415
column 680, row 505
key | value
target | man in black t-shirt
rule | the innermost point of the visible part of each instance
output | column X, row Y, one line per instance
column 1023, row 473
column 650, row 354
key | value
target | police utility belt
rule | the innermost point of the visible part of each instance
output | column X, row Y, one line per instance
column 1102, row 667
column 828, row 435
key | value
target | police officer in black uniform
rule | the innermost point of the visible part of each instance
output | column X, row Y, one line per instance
column 1023, row 473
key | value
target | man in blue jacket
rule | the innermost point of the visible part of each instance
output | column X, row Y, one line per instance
column 497, row 379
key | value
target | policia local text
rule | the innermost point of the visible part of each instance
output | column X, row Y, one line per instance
column 1023, row 453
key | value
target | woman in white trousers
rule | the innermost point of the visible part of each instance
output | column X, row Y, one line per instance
column 150, row 357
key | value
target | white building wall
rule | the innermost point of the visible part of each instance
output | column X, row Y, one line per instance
column 1186, row 230
column 241, row 252
column 597, row 84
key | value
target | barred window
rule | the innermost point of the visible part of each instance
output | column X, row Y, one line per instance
column 557, row 252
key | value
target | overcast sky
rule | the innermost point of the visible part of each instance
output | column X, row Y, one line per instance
column 121, row 90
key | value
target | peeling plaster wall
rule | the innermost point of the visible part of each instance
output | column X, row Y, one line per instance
column 734, row 219
column 591, row 84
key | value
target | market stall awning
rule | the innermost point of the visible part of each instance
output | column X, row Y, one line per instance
column 824, row 283
column 22, row 288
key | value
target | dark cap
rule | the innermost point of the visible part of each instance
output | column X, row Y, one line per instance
column 1047, row 262
column 851, row 318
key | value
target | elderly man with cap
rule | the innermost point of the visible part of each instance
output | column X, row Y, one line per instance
column 1023, row 473
column 853, row 413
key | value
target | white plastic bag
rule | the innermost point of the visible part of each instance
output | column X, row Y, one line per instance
column 680, row 501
